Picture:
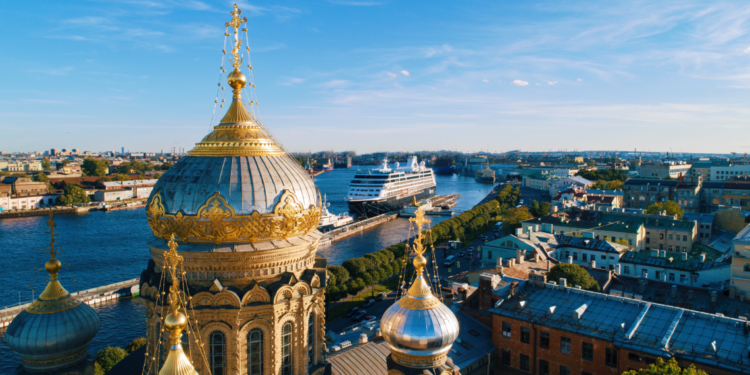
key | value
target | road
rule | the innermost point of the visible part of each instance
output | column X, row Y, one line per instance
column 462, row 263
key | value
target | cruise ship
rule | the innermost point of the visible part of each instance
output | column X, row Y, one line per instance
column 385, row 189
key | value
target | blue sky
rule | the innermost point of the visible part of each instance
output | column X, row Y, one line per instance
column 383, row 75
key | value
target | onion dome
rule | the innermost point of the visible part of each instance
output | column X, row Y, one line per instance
column 177, row 362
column 419, row 328
column 54, row 332
column 235, row 182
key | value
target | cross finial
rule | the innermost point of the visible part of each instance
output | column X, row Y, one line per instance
column 172, row 260
column 419, row 220
column 51, row 223
column 235, row 23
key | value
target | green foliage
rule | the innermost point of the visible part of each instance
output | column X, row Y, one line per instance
column 133, row 167
column 666, row 368
column 95, row 167
column 122, row 177
column 165, row 166
column 603, row 174
column 98, row 369
column 135, row 344
column 574, row 275
column 41, row 177
column 671, row 207
column 341, row 274
column 103, row 179
column 109, row 356
column 157, row 175
column 62, row 164
column 608, row 185
column 538, row 210
column 46, row 164
column 74, row 194
column 513, row 217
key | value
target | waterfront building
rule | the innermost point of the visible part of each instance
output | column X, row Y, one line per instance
column 53, row 333
column 24, row 186
column 244, row 215
column 524, row 242
column 665, row 170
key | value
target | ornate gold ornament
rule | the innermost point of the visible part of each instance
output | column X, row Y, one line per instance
column 419, row 296
column 54, row 298
column 216, row 221
column 419, row 361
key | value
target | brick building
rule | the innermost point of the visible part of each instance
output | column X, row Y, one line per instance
column 548, row 329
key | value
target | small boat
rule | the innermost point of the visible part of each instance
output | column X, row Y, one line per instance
column 329, row 221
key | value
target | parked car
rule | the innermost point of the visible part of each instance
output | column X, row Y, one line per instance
column 369, row 303
column 462, row 254
column 381, row 296
column 352, row 311
column 359, row 315
column 368, row 318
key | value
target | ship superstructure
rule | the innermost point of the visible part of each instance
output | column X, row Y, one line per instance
column 384, row 189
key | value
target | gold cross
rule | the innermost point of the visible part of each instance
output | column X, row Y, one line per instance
column 236, row 23
column 173, row 260
column 51, row 223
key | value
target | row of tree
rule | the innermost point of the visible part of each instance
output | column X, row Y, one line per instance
column 603, row 174
column 608, row 185
column 355, row 274
column 100, row 167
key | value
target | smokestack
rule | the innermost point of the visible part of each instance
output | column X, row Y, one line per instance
column 563, row 283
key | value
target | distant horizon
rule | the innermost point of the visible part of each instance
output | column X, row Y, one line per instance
column 382, row 75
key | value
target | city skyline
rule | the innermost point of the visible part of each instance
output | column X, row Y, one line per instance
column 379, row 76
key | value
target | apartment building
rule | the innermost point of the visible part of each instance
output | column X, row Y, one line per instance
column 662, row 170
column 740, row 279
column 728, row 172
column 543, row 328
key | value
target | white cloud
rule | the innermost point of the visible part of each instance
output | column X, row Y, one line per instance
column 518, row 82
column 747, row 50
column 392, row 75
column 292, row 81
column 551, row 82
column 580, row 79
column 485, row 80
column 336, row 83
column 406, row 73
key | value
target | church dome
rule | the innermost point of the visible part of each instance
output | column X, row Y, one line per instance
column 54, row 332
column 419, row 328
column 238, row 184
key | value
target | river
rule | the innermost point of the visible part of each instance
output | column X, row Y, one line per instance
column 101, row 248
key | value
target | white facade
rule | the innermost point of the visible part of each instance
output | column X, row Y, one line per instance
column 113, row 195
column 719, row 173
column 28, row 202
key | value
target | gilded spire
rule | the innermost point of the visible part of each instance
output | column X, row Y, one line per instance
column 419, row 288
column 54, row 298
column 238, row 133
column 177, row 362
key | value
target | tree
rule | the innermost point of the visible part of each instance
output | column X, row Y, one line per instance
column 157, row 175
column 62, row 164
column 341, row 274
column 122, row 177
column 95, row 167
column 41, row 177
column 574, row 275
column 74, row 194
column 513, row 217
column 539, row 209
column 671, row 207
column 109, row 356
column 165, row 166
column 666, row 368
column 135, row 344
column 46, row 165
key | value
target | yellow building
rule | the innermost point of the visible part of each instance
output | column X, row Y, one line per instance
column 741, row 263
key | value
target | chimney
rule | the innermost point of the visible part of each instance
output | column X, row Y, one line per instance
column 519, row 232
column 662, row 253
column 683, row 256
column 655, row 253
column 674, row 291
column 618, row 269
column 592, row 264
column 363, row 338
column 519, row 259
column 513, row 287
column 570, row 260
column 563, row 283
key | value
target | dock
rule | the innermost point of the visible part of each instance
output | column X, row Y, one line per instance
column 439, row 205
column 91, row 297
column 356, row 227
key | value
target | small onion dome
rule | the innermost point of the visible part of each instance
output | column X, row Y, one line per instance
column 419, row 329
column 177, row 362
column 54, row 332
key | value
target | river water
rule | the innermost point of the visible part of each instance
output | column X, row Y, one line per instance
column 101, row 248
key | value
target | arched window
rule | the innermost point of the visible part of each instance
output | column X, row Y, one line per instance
column 218, row 354
column 255, row 352
column 287, row 364
column 311, row 339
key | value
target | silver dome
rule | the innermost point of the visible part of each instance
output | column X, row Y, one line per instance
column 54, row 340
column 248, row 183
column 419, row 332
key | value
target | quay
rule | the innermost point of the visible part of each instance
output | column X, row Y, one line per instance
column 438, row 205
column 94, row 296
column 78, row 209
column 356, row 227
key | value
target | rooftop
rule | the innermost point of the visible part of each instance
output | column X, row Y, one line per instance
column 743, row 235
column 700, row 218
column 674, row 259
column 642, row 326
column 590, row 244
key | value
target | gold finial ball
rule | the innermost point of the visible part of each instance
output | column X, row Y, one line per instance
column 175, row 321
column 53, row 266
column 236, row 79
column 420, row 261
